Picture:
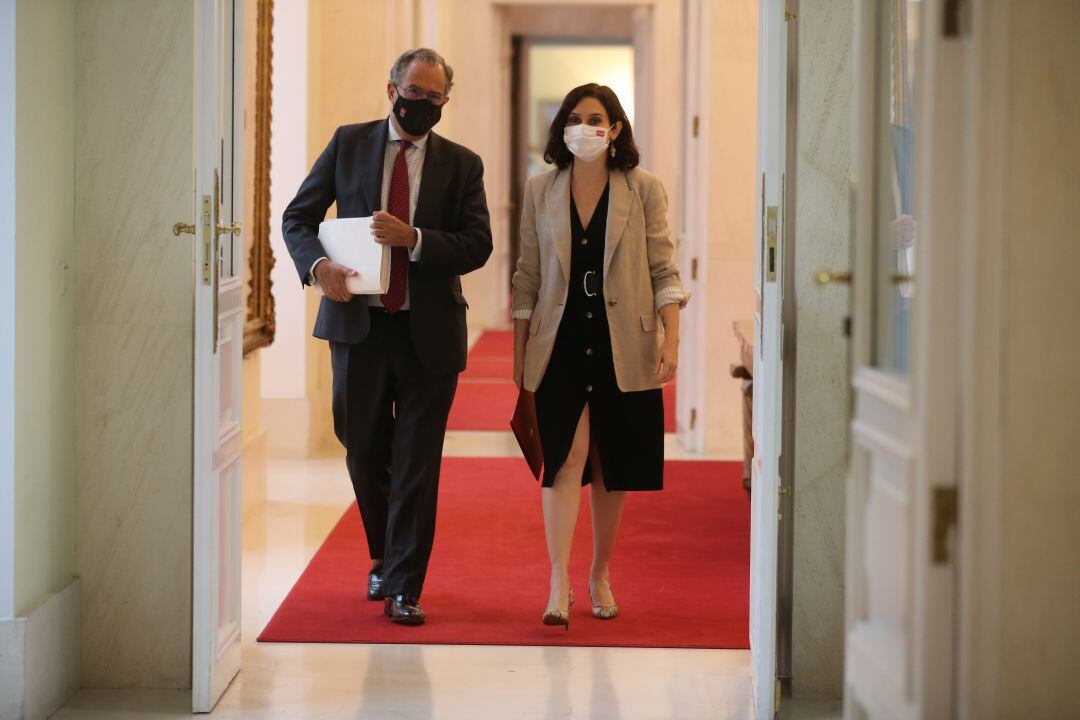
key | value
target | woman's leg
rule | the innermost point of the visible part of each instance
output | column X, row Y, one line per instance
column 606, row 513
column 561, row 502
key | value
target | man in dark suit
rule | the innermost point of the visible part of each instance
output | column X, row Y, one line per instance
column 396, row 357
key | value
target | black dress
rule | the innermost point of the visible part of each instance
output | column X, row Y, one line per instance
column 627, row 427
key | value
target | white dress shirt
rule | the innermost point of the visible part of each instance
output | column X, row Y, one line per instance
column 414, row 161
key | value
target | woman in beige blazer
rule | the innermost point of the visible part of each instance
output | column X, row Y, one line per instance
column 596, row 330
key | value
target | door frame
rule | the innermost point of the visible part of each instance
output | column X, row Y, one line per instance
column 770, row 268
column 7, row 309
column 692, row 224
column 982, row 343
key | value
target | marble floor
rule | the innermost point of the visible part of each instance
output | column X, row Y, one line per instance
column 303, row 499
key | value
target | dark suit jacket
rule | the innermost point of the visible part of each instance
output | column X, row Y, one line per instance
column 451, row 213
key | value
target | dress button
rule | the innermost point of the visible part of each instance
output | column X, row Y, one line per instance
column 584, row 241
column 588, row 351
column 589, row 315
column 588, row 388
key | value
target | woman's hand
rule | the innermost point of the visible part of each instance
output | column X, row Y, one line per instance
column 669, row 351
column 519, row 372
column 669, row 359
column 521, row 336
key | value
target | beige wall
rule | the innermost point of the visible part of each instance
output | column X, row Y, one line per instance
column 554, row 70
column 346, row 84
column 133, row 340
column 1040, row 585
column 44, row 341
column 730, row 212
column 823, row 157
column 251, row 412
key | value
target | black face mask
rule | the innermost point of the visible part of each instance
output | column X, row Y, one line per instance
column 416, row 117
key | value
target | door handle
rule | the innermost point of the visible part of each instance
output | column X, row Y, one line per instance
column 826, row 277
column 233, row 229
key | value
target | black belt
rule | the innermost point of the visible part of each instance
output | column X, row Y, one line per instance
column 381, row 312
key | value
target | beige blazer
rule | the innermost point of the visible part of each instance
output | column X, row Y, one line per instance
column 639, row 263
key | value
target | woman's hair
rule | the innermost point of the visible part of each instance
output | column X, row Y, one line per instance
column 626, row 152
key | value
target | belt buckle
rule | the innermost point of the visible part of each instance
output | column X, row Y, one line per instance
column 585, row 283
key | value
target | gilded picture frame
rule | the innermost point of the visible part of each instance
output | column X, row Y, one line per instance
column 259, row 325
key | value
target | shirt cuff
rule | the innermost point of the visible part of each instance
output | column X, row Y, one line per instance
column 670, row 294
column 522, row 314
column 311, row 273
column 414, row 256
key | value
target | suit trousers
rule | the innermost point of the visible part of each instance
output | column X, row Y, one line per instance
column 390, row 413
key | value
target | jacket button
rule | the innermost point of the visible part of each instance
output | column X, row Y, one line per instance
column 588, row 388
column 588, row 351
column 589, row 315
column 611, row 303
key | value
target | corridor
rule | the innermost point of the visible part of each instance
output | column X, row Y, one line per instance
column 282, row 681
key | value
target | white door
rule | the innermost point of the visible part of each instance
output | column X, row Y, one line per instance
column 219, row 340
column 901, row 490
column 690, row 407
column 768, row 363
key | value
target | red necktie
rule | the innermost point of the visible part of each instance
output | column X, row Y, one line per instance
column 394, row 297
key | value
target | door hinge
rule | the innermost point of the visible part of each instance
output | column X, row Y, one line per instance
column 776, row 698
column 693, row 269
column 789, row 16
column 945, row 511
column 693, row 417
column 695, row 126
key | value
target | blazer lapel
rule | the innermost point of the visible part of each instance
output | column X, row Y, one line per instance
column 433, row 182
column 371, row 165
column 558, row 203
column 620, row 200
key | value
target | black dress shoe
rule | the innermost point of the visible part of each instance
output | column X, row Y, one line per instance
column 375, row 584
column 404, row 610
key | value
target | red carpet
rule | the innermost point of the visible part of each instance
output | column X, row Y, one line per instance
column 486, row 394
column 681, row 572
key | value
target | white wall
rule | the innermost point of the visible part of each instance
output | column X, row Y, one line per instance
column 7, row 309
column 44, row 333
column 283, row 363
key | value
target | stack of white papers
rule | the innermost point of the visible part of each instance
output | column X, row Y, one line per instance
column 349, row 241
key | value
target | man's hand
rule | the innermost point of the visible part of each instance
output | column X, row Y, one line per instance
column 388, row 230
column 331, row 277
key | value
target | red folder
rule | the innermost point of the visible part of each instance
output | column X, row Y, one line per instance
column 527, row 432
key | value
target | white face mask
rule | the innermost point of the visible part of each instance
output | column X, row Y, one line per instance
column 587, row 142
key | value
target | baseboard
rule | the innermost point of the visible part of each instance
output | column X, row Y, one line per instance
column 39, row 657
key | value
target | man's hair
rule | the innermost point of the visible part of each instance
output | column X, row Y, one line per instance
column 424, row 55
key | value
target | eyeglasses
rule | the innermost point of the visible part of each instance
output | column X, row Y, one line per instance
column 414, row 93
